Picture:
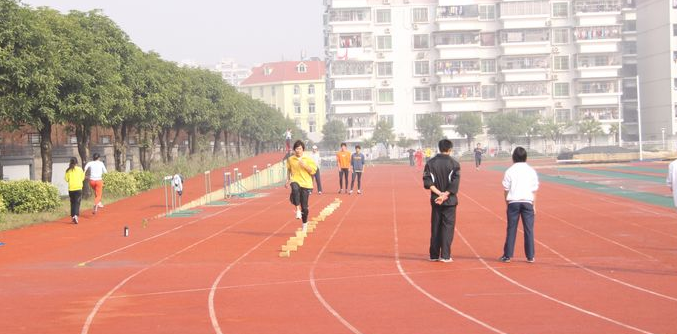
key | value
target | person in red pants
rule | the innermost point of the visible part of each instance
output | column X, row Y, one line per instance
column 95, row 169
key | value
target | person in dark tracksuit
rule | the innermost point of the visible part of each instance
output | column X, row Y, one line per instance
column 442, row 175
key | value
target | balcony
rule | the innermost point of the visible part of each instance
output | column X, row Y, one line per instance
column 350, row 46
column 598, row 39
column 351, row 69
column 348, row 4
column 598, row 65
column 461, row 44
column 459, row 17
column 604, row 114
column 457, row 69
column 525, row 68
column 459, row 92
column 524, row 14
column 525, row 41
column 598, row 92
column 525, row 94
column 352, row 96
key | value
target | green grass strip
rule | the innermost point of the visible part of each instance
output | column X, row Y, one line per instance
column 617, row 175
column 656, row 170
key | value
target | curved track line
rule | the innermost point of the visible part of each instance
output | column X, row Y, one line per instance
column 212, row 291
column 419, row 288
column 100, row 302
column 576, row 264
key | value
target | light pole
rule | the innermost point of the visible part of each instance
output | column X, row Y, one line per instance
column 639, row 119
column 663, row 137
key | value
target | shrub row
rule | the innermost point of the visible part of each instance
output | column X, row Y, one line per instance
column 127, row 184
column 27, row 196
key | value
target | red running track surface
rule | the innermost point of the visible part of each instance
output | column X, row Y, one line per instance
column 603, row 265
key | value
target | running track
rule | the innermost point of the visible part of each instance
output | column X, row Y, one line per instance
column 603, row 265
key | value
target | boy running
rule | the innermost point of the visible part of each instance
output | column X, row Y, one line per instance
column 300, row 170
column 357, row 161
column 343, row 162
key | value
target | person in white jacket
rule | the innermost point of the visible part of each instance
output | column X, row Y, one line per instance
column 672, row 180
column 95, row 169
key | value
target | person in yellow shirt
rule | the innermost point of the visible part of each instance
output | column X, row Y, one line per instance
column 343, row 161
column 75, row 177
column 300, row 171
column 428, row 154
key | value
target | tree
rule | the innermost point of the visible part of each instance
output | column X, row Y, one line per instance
column 383, row 133
column 614, row 130
column 468, row 125
column 405, row 142
column 506, row 127
column 590, row 128
column 334, row 133
column 430, row 128
column 553, row 130
column 532, row 127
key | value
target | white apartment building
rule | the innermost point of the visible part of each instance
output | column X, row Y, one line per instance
column 657, row 50
column 400, row 59
column 232, row 72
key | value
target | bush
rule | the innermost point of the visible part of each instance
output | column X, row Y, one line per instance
column 119, row 183
column 144, row 180
column 27, row 196
column 3, row 208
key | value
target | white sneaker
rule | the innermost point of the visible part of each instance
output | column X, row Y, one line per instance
column 319, row 193
column 350, row 193
column 75, row 219
column 447, row 260
column 304, row 227
column 299, row 214
column 100, row 205
column 359, row 191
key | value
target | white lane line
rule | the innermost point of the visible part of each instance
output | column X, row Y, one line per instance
column 403, row 273
column 100, row 302
column 576, row 264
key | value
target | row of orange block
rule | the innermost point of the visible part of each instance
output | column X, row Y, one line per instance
column 296, row 241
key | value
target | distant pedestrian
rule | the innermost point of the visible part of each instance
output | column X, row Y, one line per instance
column 343, row 162
column 95, row 170
column 300, row 170
column 287, row 139
column 357, row 162
column 411, row 152
column 318, row 162
column 478, row 155
column 442, row 175
column 520, row 183
column 75, row 177
column 672, row 180
column 419, row 158
column 428, row 154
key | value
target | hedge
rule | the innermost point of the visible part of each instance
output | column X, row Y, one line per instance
column 3, row 208
column 144, row 180
column 27, row 196
column 119, row 183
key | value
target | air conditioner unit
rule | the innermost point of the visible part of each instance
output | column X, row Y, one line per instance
column 386, row 2
column 492, row 79
column 414, row 26
column 548, row 23
column 380, row 55
column 425, row 80
column 554, row 77
column 385, row 83
column 420, row 55
column 558, row 104
column 555, row 49
column 387, row 31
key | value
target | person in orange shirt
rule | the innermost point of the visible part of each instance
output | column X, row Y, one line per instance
column 343, row 161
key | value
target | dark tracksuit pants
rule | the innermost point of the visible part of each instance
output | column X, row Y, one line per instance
column 357, row 175
column 299, row 196
column 343, row 173
column 442, row 224
column 514, row 211
column 75, row 197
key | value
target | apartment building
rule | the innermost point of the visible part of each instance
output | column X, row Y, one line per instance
column 232, row 72
column 657, row 51
column 397, row 60
column 295, row 88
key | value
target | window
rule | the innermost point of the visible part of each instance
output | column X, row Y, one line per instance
column 487, row 12
column 630, row 25
column 297, row 108
column 629, row 47
column 489, row 92
column 422, row 94
column 457, row 66
column 598, row 87
column 311, row 108
column 488, row 65
column 459, row 91
column 523, row 8
column 390, row 119
column 352, row 68
column 560, row 10
column 384, row 42
column 311, row 126
column 261, row 91
column 560, row 36
column 302, row 68
column 525, row 62
column 595, row 33
column 350, row 40
column 421, row 67
column 597, row 6
column 355, row 94
column 488, row 39
column 421, row 41
column 674, row 30
column 524, row 89
column 525, row 35
column 311, row 89
column 272, row 90
column 419, row 15
column 456, row 38
column 384, row 69
column 383, row 16
column 105, row 140
column 562, row 115
column 297, row 90
column 385, row 96
column 561, row 89
column 457, row 12
column 561, row 63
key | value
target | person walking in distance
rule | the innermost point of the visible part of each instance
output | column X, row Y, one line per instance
column 300, row 170
column 419, row 158
column 287, row 140
column 95, row 169
column 343, row 162
column 411, row 152
column 520, row 183
column 478, row 155
column 75, row 177
column 672, row 180
column 442, row 175
column 318, row 162
column 357, row 161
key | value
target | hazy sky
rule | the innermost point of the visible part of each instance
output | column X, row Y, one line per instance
column 251, row 31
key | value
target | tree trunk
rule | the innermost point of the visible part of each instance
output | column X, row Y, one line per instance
column 163, row 144
column 46, row 149
column 217, row 142
column 225, row 140
column 237, row 148
column 145, row 156
column 84, row 135
column 193, row 140
column 171, row 144
column 120, row 146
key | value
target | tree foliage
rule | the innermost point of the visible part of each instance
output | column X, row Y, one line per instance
column 506, row 127
column 430, row 128
column 468, row 125
column 334, row 133
column 589, row 127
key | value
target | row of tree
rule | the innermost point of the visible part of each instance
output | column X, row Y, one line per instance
column 82, row 71
column 504, row 127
